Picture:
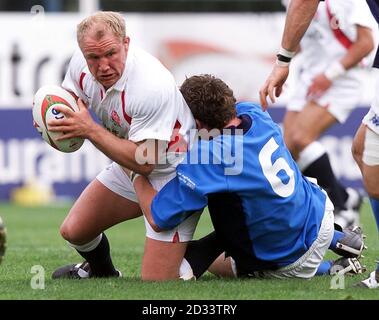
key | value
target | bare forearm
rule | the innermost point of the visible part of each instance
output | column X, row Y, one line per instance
column 119, row 150
column 145, row 194
column 299, row 16
column 359, row 49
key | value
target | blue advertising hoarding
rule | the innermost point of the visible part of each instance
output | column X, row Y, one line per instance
column 25, row 156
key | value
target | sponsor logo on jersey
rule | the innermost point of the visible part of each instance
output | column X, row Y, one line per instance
column 375, row 120
column 115, row 118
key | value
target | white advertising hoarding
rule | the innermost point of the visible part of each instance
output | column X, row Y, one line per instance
column 35, row 50
column 237, row 47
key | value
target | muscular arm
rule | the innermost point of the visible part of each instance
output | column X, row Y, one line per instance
column 139, row 158
column 175, row 202
column 299, row 15
column 145, row 194
column 359, row 49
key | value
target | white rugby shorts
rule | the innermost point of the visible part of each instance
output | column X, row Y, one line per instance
column 340, row 100
column 371, row 143
column 115, row 179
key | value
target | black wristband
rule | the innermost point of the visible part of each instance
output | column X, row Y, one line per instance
column 283, row 58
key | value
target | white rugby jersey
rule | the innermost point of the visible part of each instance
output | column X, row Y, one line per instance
column 332, row 32
column 145, row 103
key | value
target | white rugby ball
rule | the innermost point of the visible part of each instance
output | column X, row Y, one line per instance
column 45, row 99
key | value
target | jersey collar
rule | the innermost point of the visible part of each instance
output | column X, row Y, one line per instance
column 245, row 125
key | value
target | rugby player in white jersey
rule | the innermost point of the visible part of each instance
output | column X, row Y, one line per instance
column 366, row 142
column 366, row 153
column 145, row 128
column 334, row 52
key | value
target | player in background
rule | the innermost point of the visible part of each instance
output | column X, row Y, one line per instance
column 365, row 145
column 267, row 216
column 142, row 111
column 334, row 53
column 366, row 152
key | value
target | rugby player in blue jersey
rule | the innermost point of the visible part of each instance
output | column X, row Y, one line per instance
column 268, row 218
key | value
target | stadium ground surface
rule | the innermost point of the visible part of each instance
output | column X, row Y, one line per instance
column 34, row 240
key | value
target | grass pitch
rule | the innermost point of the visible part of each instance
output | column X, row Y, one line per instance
column 34, row 245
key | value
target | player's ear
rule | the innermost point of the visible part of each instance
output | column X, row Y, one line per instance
column 126, row 42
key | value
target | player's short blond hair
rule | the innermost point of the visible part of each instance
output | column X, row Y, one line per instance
column 102, row 21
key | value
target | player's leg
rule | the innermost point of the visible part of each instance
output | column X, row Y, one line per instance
column 340, row 266
column 164, row 251
column 370, row 166
column 313, row 159
column 366, row 153
column 200, row 254
column 223, row 267
column 307, row 266
column 161, row 260
column 97, row 209
column 304, row 127
column 349, row 242
column 289, row 121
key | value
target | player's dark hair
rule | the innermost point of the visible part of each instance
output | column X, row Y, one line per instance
column 210, row 99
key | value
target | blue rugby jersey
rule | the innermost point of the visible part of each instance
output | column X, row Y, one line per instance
column 268, row 214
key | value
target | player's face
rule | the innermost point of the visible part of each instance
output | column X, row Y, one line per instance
column 105, row 57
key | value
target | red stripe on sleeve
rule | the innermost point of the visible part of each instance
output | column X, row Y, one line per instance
column 82, row 75
column 338, row 33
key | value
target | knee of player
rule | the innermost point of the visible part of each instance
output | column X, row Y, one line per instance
column 65, row 232
column 356, row 151
column 68, row 233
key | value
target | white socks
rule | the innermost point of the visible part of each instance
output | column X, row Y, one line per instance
column 310, row 154
column 185, row 271
column 88, row 246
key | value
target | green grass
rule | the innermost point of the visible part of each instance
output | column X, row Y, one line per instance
column 33, row 239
